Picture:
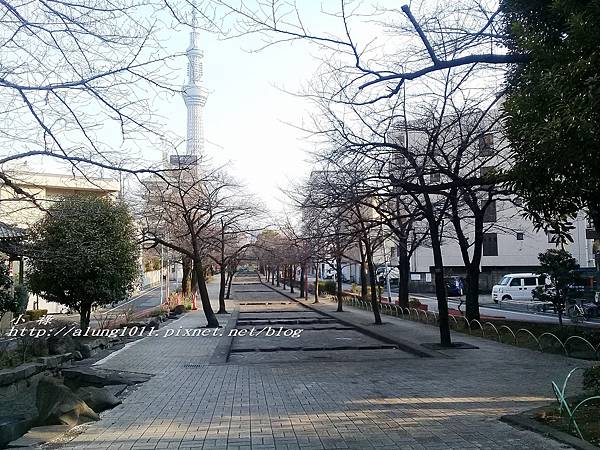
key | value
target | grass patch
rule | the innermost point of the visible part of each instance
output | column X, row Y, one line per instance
column 586, row 417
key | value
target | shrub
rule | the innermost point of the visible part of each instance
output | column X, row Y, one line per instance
column 21, row 297
column 591, row 380
column 156, row 312
column 35, row 314
column 327, row 287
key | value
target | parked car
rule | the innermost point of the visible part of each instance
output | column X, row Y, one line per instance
column 331, row 274
column 517, row 286
column 455, row 286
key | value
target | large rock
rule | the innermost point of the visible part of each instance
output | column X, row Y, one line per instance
column 87, row 376
column 99, row 399
column 13, row 427
column 58, row 345
column 57, row 404
column 86, row 350
column 22, row 372
column 39, row 435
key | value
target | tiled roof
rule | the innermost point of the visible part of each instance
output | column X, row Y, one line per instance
column 9, row 232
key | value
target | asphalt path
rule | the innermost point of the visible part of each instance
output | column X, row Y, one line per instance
column 145, row 299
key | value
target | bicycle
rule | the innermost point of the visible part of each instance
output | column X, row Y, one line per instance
column 576, row 313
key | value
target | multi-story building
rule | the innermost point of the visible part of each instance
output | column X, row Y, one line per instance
column 511, row 243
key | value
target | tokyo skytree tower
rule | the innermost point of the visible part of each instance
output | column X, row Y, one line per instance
column 194, row 95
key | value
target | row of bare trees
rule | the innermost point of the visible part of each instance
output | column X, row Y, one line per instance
column 205, row 217
column 408, row 127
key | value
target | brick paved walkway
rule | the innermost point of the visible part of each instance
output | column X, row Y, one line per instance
column 453, row 401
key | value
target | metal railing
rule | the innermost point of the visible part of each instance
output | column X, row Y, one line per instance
column 573, row 346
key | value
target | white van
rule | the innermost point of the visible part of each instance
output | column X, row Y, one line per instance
column 517, row 286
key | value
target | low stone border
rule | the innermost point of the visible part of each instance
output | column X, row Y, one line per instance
column 401, row 344
column 526, row 421
column 223, row 350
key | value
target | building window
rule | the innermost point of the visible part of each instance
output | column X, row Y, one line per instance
column 490, row 244
column 489, row 215
column 434, row 178
column 486, row 144
column 393, row 251
column 520, row 236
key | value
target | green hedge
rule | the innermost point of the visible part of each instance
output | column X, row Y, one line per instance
column 327, row 287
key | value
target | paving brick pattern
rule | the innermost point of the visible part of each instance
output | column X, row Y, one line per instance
column 450, row 402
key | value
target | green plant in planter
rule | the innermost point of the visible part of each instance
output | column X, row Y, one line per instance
column 591, row 380
column 414, row 303
column 327, row 287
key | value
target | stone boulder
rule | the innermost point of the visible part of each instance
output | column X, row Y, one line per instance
column 88, row 376
column 179, row 309
column 85, row 350
column 99, row 399
column 57, row 404
column 58, row 345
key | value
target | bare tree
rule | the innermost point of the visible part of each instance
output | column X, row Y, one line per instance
column 74, row 72
column 181, row 213
column 230, row 236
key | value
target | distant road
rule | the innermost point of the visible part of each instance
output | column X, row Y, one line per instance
column 494, row 311
column 488, row 308
column 146, row 299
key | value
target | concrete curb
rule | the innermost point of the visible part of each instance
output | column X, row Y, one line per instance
column 401, row 344
column 525, row 421
column 221, row 353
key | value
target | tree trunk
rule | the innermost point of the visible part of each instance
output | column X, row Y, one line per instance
column 194, row 281
column 222, row 285
column 363, row 272
column 284, row 276
column 473, row 270
column 302, row 276
column 404, row 271
column 338, row 271
column 211, row 318
column 316, row 282
column 373, row 283
column 229, row 281
column 305, row 281
column 472, row 294
column 277, row 271
column 440, row 287
column 85, row 311
column 186, row 263
column 292, row 278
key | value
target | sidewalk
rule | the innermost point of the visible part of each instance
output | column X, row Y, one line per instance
column 451, row 401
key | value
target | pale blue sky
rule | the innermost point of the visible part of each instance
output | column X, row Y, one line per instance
column 247, row 113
